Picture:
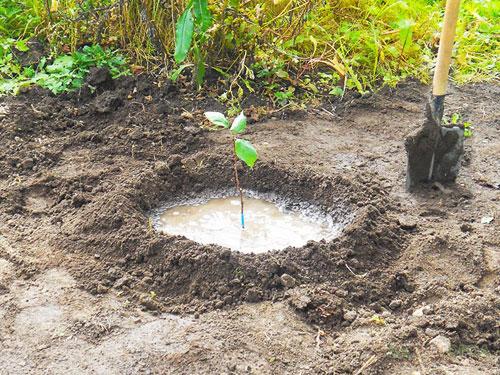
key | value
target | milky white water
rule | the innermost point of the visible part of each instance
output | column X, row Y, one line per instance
column 267, row 227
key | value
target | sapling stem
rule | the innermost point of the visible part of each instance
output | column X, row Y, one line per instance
column 237, row 180
column 242, row 149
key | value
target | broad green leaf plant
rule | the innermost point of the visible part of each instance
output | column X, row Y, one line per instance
column 191, row 29
column 242, row 149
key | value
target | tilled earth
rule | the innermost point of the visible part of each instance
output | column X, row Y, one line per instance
column 88, row 286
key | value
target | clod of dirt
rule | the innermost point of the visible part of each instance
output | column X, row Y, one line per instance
column 287, row 281
column 99, row 77
column 395, row 304
column 33, row 55
column 107, row 102
column 407, row 223
column 253, row 295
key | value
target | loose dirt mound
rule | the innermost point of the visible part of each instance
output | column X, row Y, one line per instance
column 81, row 174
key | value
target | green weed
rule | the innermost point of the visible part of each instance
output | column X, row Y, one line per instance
column 469, row 350
column 399, row 353
column 64, row 73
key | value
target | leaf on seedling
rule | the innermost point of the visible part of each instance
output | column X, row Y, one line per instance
column 239, row 124
column 183, row 35
column 467, row 130
column 455, row 118
column 245, row 152
column 217, row 119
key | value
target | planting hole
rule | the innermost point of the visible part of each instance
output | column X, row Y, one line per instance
column 268, row 225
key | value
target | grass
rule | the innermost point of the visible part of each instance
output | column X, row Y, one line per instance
column 287, row 49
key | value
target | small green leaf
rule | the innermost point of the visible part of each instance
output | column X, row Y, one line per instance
column 455, row 118
column 239, row 124
column 467, row 129
column 282, row 74
column 336, row 91
column 217, row 119
column 183, row 35
column 21, row 46
column 245, row 152
column 174, row 74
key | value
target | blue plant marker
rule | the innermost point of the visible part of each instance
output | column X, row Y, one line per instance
column 242, row 221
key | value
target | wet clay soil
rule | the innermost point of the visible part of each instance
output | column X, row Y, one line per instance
column 80, row 174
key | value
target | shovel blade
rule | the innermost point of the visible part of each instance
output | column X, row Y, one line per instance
column 447, row 147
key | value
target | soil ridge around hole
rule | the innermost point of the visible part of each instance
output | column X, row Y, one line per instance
column 115, row 227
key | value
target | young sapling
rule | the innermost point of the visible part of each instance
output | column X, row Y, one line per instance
column 242, row 149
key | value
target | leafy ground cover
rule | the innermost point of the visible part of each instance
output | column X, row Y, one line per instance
column 286, row 49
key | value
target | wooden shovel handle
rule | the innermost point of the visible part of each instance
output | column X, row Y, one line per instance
column 440, row 81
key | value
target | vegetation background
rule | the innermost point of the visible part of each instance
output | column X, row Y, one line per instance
column 289, row 50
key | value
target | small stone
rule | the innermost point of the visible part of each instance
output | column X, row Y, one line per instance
column 418, row 312
column 287, row 281
column 350, row 315
column 466, row 228
column 431, row 332
column 486, row 219
column 123, row 281
column 101, row 289
column 395, row 304
column 149, row 302
column 407, row 223
column 428, row 310
column 27, row 163
column 441, row 343
column 114, row 273
column 424, row 310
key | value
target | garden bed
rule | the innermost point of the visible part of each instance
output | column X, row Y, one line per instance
column 81, row 173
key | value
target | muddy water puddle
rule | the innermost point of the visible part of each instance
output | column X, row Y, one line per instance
column 268, row 226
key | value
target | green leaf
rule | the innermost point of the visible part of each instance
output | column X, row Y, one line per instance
column 245, row 152
column 183, row 36
column 405, row 27
column 239, row 124
column 60, row 64
column 202, row 14
column 174, row 75
column 21, row 46
column 336, row 91
column 217, row 119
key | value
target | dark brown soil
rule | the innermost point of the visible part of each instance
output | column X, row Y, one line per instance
column 81, row 173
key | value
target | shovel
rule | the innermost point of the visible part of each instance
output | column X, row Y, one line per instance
column 435, row 151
